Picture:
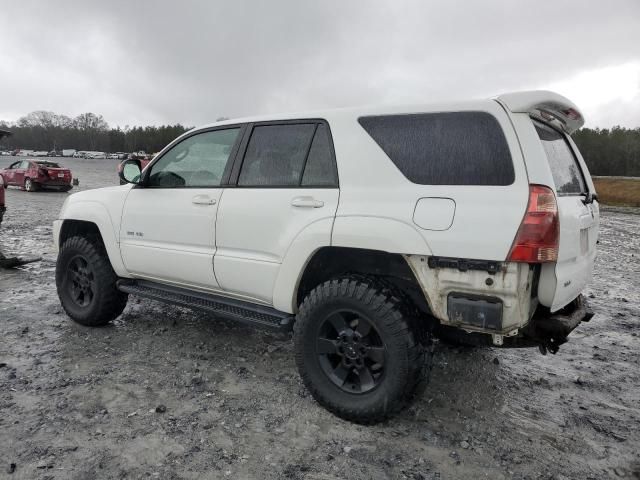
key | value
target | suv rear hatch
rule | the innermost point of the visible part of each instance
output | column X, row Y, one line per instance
column 553, row 118
column 578, row 215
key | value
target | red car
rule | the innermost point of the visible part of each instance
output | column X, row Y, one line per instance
column 3, row 208
column 32, row 175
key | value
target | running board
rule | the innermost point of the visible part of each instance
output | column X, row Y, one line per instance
column 244, row 312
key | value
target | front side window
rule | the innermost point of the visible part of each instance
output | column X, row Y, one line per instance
column 565, row 170
column 197, row 161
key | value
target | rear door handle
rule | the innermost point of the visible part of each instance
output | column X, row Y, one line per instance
column 203, row 200
column 306, row 202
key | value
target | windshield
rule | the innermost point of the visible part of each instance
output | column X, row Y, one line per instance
column 48, row 164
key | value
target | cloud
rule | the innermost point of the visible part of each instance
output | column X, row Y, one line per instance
column 153, row 62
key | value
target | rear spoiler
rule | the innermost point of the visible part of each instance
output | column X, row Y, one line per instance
column 546, row 106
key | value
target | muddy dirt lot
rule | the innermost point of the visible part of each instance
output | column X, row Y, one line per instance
column 169, row 393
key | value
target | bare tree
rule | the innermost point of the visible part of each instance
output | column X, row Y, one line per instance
column 92, row 126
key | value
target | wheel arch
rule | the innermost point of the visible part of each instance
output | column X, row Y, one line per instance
column 331, row 262
column 93, row 221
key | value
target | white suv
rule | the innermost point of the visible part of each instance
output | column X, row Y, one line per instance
column 367, row 231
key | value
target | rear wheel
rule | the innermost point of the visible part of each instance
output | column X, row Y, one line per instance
column 356, row 351
column 86, row 283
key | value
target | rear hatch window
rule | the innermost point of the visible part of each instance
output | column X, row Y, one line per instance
column 451, row 148
column 565, row 170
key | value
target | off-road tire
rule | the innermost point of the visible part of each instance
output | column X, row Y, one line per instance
column 107, row 302
column 30, row 185
column 406, row 360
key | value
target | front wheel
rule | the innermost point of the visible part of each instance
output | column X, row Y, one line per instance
column 356, row 350
column 86, row 283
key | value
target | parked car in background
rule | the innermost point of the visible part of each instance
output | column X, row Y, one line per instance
column 5, row 153
column 40, row 153
column 113, row 156
column 3, row 208
column 78, row 154
column 68, row 152
column 32, row 175
column 95, row 155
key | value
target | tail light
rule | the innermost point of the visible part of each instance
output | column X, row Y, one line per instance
column 539, row 233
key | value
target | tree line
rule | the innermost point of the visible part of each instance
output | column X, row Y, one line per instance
column 49, row 131
column 614, row 151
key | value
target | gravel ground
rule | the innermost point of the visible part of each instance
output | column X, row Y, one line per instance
column 169, row 393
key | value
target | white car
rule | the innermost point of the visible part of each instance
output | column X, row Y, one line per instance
column 367, row 231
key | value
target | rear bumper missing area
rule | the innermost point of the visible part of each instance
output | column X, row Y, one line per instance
column 545, row 330
column 550, row 330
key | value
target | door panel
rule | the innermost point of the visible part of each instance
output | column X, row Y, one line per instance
column 168, row 225
column 167, row 234
column 255, row 228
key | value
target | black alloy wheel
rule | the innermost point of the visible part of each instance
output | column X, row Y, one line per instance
column 350, row 351
column 80, row 281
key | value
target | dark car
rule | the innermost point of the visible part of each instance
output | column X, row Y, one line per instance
column 32, row 175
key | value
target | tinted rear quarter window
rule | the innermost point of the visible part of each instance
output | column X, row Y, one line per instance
column 320, row 169
column 565, row 170
column 452, row 148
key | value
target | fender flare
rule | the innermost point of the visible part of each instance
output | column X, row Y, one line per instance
column 96, row 213
column 372, row 233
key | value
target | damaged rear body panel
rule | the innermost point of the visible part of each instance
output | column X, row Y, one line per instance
column 501, row 292
column 494, row 302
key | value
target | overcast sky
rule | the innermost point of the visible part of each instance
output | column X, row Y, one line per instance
column 155, row 62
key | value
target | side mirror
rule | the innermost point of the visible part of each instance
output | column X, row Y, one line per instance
column 130, row 171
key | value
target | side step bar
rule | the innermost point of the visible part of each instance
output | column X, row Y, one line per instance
column 244, row 312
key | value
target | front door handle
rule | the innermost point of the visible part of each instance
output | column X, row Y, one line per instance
column 306, row 202
column 203, row 200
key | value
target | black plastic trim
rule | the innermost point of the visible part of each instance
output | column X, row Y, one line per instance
column 464, row 264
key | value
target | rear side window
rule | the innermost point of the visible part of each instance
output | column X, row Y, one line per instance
column 565, row 170
column 453, row 148
column 275, row 155
column 289, row 155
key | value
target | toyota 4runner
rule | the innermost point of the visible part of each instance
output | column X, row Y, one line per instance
column 366, row 231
